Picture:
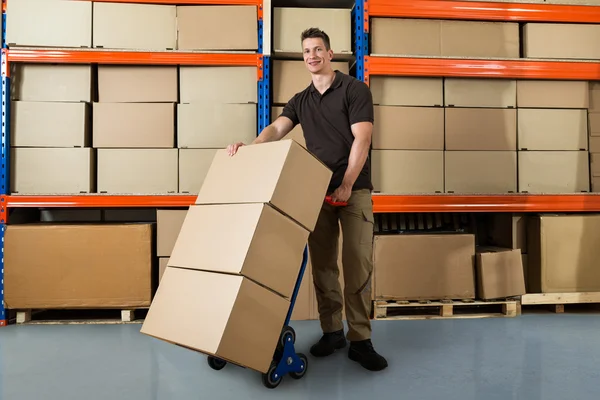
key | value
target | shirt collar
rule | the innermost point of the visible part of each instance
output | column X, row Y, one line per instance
column 337, row 82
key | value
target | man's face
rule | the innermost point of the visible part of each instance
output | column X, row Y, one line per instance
column 316, row 56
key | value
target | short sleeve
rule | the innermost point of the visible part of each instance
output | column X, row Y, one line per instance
column 289, row 111
column 360, row 103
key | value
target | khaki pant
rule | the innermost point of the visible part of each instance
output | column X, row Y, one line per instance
column 357, row 259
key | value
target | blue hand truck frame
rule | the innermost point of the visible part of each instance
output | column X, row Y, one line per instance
column 286, row 361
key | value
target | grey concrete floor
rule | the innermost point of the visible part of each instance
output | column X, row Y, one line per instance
column 530, row 357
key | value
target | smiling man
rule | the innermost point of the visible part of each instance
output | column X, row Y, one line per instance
column 336, row 114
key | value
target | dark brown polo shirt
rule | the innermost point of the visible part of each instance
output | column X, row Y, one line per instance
column 326, row 120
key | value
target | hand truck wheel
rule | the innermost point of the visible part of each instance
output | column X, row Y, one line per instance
column 304, row 360
column 216, row 363
column 286, row 332
column 270, row 379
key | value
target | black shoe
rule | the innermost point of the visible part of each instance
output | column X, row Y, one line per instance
column 364, row 353
column 328, row 344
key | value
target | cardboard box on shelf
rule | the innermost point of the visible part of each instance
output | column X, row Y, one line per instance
column 237, row 27
column 403, row 91
column 594, row 144
column 78, row 266
column 137, row 84
column 596, row 184
column 28, row 24
column 243, row 307
column 148, row 27
column 216, row 125
column 168, row 226
column 553, row 171
column 499, row 273
column 552, row 129
column 474, row 92
column 137, row 171
column 296, row 134
column 561, row 41
column 52, row 170
column 481, row 129
column 594, row 99
column 408, row 128
column 213, row 85
column 424, row 266
column 506, row 230
column 134, row 125
column 401, row 36
column 479, row 39
column 281, row 173
column 595, row 164
column 291, row 77
column 594, row 123
column 481, row 171
column 563, row 253
column 552, row 94
column 266, row 246
column 162, row 267
column 193, row 167
column 49, row 124
column 47, row 82
column 407, row 171
column 289, row 23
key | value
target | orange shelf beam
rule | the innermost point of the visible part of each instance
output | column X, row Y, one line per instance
column 485, row 11
column 98, row 201
column 486, row 203
column 479, row 68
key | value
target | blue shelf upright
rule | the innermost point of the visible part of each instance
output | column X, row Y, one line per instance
column 4, row 172
column 361, row 37
column 264, row 95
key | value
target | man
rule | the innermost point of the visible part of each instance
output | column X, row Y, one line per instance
column 336, row 114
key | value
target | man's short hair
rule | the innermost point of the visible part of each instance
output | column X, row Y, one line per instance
column 316, row 33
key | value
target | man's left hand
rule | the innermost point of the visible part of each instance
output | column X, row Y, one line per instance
column 342, row 194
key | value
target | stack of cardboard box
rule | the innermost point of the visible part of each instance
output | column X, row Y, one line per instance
column 594, row 128
column 552, row 136
column 50, row 130
column 236, row 260
column 134, row 129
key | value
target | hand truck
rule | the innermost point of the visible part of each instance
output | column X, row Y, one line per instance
column 285, row 360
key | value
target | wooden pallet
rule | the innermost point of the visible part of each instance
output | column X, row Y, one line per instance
column 556, row 302
column 444, row 309
column 80, row 317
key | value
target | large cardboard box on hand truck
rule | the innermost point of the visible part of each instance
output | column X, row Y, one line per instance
column 229, row 283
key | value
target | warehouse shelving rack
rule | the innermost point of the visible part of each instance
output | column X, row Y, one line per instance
column 261, row 60
column 368, row 65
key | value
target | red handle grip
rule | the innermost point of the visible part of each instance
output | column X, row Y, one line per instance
column 329, row 200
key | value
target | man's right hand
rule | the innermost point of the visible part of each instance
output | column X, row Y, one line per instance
column 233, row 148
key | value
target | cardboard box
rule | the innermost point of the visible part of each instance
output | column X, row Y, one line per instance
column 594, row 124
column 28, row 24
column 499, row 273
column 242, row 327
column 266, row 246
column 552, row 94
column 296, row 134
column 408, row 128
column 47, row 82
column 291, row 77
column 288, row 24
column 213, row 85
column 237, row 27
column 401, row 36
column 407, row 171
column 481, row 171
column 78, row 266
column 594, row 144
column 168, row 226
column 401, row 91
column 563, row 254
column 424, row 266
column 135, row 26
column 594, row 98
column 595, row 184
column 553, row 172
column 216, row 125
column 552, row 129
column 507, row 230
column 162, row 267
column 561, row 41
column 281, row 173
column 137, row 84
column 137, row 171
column 49, row 124
column 193, row 167
column 52, row 170
column 134, row 125
column 481, row 129
column 480, row 39
column 471, row 92
column 595, row 164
